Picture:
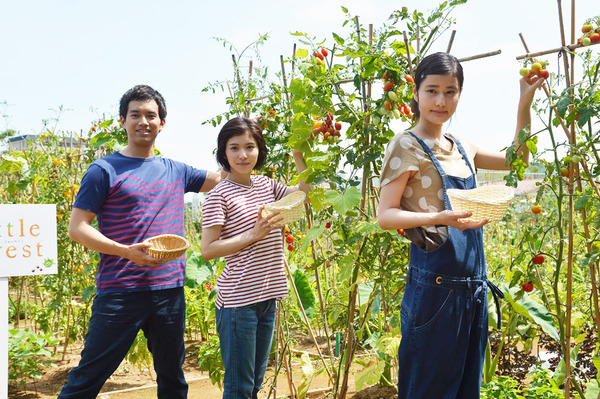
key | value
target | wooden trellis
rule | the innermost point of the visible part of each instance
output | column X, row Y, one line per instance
column 365, row 89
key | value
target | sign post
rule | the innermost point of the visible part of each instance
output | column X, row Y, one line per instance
column 27, row 248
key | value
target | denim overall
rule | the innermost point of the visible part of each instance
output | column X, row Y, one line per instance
column 444, row 310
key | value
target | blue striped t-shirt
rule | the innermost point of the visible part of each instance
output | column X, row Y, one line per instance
column 135, row 199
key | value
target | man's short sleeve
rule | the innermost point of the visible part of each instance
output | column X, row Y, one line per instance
column 194, row 179
column 93, row 190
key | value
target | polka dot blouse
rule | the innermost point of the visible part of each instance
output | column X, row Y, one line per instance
column 424, row 191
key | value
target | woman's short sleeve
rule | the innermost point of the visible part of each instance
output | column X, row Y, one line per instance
column 403, row 154
column 214, row 210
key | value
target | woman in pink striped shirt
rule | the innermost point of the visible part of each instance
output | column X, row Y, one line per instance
column 254, row 275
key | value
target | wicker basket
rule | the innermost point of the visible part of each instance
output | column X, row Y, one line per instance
column 290, row 206
column 488, row 202
column 167, row 246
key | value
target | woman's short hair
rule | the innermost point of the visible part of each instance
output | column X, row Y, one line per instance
column 236, row 127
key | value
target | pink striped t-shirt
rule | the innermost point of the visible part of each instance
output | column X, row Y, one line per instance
column 255, row 273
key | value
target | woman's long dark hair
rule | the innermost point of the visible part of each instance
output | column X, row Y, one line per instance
column 436, row 64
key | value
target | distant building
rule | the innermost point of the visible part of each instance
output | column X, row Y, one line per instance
column 20, row 143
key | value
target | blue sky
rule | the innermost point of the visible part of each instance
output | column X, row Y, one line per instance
column 84, row 55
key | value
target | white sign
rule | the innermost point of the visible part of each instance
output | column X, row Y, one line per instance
column 28, row 239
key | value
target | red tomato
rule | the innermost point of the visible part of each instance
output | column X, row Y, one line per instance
column 389, row 85
column 544, row 74
column 595, row 38
column 527, row 286
column 538, row 259
column 536, row 209
column 289, row 239
column 401, row 232
column 338, row 126
column 319, row 55
column 387, row 105
column 409, row 79
column 328, row 225
column 324, row 52
column 290, row 247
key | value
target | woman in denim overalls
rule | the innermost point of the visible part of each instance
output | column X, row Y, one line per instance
column 444, row 309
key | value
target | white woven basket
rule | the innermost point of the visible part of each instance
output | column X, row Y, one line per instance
column 488, row 202
column 167, row 246
column 290, row 206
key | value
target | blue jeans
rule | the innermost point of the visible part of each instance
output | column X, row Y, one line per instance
column 114, row 324
column 245, row 335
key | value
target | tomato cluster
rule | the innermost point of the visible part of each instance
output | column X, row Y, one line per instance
column 392, row 104
column 289, row 239
column 537, row 68
column 330, row 130
column 591, row 34
column 320, row 55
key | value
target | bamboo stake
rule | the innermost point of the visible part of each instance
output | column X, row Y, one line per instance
column 318, row 282
column 418, row 55
column 287, row 95
column 305, row 317
column 478, row 56
column 410, row 66
column 569, row 48
column 567, row 344
column 350, row 338
column 277, row 327
column 451, row 41
column 288, row 372
column 563, row 41
column 293, row 62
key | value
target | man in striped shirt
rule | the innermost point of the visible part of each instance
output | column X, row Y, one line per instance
column 134, row 195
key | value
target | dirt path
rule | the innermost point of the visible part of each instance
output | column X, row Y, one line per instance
column 129, row 382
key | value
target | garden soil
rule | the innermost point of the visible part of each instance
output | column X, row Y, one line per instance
column 129, row 382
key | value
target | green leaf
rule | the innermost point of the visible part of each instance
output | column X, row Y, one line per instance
column 342, row 203
column 592, row 390
column 364, row 292
column 308, row 373
column 365, row 228
column 197, row 270
column 581, row 202
column 302, row 53
column 338, row 39
column 311, row 235
column 563, row 105
column 297, row 88
column 533, row 310
column 371, row 374
column 88, row 292
column 307, row 296
column 346, row 265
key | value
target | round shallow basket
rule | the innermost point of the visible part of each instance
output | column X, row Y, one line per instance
column 488, row 202
column 290, row 206
column 167, row 246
